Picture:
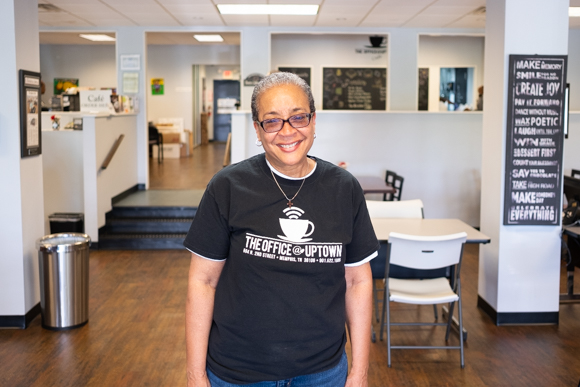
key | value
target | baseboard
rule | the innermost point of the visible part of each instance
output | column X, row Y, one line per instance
column 518, row 318
column 127, row 192
column 20, row 322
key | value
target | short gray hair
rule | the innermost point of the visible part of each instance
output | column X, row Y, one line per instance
column 279, row 79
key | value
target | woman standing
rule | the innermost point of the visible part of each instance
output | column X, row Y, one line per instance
column 281, row 244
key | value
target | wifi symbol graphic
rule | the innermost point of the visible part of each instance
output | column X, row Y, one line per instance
column 293, row 213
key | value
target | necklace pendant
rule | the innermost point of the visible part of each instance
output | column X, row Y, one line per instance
column 289, row 203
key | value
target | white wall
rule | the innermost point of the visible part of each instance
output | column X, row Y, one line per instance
column 436, row 52
column 93, row 65
column 100, row 186
column 574, row 69
column 174, row 64
column 21, row 192
column 317, row 51
column 62, row 163
column 438, row 154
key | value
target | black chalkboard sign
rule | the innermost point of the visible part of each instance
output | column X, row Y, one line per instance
column 302, row 72
column 354, row 88
column 534, row 130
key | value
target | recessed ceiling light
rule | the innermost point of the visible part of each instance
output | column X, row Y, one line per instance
column 98, row 38
column 268, row 9
column 574, row 11
column 208, row 38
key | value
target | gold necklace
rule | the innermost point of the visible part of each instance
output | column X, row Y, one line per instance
column 283, row 193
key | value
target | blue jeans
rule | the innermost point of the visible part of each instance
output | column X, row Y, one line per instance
column 333, row 377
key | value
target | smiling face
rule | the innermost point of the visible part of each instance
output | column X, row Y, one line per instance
column 286, row 150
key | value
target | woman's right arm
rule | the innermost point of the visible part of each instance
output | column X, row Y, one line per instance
column 204, row 275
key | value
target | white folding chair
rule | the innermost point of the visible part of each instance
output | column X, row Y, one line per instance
column 426, row 253
column 409, row 209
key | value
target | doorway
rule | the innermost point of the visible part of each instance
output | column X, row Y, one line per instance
column 226, row 97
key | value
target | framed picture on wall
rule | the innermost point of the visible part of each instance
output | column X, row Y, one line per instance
column 30, row 138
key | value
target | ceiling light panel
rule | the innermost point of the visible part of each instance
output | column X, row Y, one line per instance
column 97, row 37
column 208, row 38
column 268, row 9
column 574, row 11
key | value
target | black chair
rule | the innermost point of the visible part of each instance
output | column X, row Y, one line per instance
column 575, row 173
column 389, row 180
column 398, row 181
column 398, row 184
column 155, row 138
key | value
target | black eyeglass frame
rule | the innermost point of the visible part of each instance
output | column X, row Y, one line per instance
column 309, row 115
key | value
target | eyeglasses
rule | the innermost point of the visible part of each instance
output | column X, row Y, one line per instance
column 276, row 124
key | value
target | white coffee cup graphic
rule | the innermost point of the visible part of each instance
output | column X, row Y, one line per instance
column 295, row 229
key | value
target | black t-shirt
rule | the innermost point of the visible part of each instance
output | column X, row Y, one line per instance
column 280, row 302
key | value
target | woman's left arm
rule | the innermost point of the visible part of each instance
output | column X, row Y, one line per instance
column 359, row 304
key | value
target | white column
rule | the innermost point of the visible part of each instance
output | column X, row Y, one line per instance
column 21, row 188
column 131, row 41
column 519, row 270
column 255, row 58
column 403, row 72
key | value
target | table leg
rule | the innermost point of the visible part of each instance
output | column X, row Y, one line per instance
column 570, row 297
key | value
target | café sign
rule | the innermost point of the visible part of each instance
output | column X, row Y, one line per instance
column 95, row 100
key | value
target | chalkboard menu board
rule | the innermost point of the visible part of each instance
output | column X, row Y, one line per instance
column 302, row 72
column 533, row 169
column 354, row 88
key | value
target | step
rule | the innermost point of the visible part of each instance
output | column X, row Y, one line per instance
column 132, row 241
column 152, row 212
column 147, row 225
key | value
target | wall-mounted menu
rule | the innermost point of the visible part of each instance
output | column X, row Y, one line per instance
column 302, row 72
column 534, row 131
column 354, row 88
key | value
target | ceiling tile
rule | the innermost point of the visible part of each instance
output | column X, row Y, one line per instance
column 338, row 20
column 184, row 2
column 307, row 2
column 199, row 19
column 344, row 10
column 378, row 21
column 469, row 21
column 458, row 3
column 58, row 3
column 448, row 10
column 241, row 1
column 62, row 19
column 190, row 8
column 246, row 20
column 292, row 20
column 429, row 21
column 85, row 7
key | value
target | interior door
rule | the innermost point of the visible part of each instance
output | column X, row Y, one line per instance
column 225, row 95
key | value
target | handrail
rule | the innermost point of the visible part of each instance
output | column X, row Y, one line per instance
column 112, row 152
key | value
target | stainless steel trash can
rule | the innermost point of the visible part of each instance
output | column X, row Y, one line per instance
column 64, row 280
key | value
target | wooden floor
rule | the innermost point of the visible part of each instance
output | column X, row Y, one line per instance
column 193, row 172
column 135, row 335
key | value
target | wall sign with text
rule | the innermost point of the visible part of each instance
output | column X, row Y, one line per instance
column 534, row 131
